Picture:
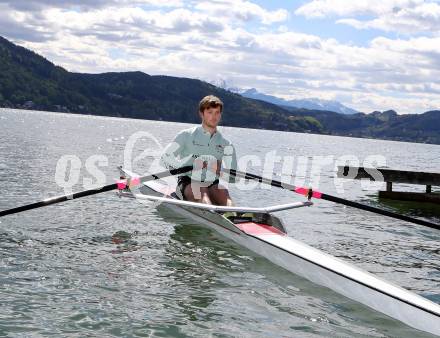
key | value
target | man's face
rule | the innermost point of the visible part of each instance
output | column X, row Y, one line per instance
column 211, row 116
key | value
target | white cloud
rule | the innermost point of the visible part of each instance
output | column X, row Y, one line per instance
column 241, row 10
column 403, row 16
column 213, row 40
column 32, row 5
column 325, row 8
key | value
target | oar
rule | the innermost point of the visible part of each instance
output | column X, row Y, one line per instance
column 320, row 195
column 114, row 186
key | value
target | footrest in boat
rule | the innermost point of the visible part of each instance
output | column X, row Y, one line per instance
column 239, row 218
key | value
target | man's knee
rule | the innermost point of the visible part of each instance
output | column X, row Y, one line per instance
column 196, row 192
column 219, row 190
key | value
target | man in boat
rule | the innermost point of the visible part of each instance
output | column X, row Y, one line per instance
column 205, row 148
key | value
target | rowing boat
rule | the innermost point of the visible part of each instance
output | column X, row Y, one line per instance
column 258, row 230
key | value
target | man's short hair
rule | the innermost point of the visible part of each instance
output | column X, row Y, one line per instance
column 210, row 101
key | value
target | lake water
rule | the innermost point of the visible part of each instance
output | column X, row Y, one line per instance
column 107, row 267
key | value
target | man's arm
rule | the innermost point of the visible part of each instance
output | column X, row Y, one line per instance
column 172, row 157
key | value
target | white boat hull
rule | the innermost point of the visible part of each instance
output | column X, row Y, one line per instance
column 320, row 268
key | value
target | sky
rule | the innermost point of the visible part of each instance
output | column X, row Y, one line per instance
column 370, row 55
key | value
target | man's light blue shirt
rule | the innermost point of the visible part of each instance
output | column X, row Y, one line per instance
column 198, row 143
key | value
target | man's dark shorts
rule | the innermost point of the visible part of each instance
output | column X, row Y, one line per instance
column 183, row 181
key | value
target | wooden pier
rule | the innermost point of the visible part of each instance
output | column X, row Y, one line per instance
column 391, row 176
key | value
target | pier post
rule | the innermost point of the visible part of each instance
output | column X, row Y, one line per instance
column 389, row 186
column 394, row 176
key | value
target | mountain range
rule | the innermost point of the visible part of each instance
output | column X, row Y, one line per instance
column 388, row 125
column 308, row 103
column 29, row 81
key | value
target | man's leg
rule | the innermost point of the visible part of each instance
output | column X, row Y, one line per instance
column 220, row 195
column 196, row 192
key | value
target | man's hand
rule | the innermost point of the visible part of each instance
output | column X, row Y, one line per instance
column 199, row 164
column 215, row 167
column 211, row 164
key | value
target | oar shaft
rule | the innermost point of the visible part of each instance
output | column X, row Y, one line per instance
column 331, row 198
column 114, row 186
column 260, row 179
column 379, row 211
column 57, row 199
